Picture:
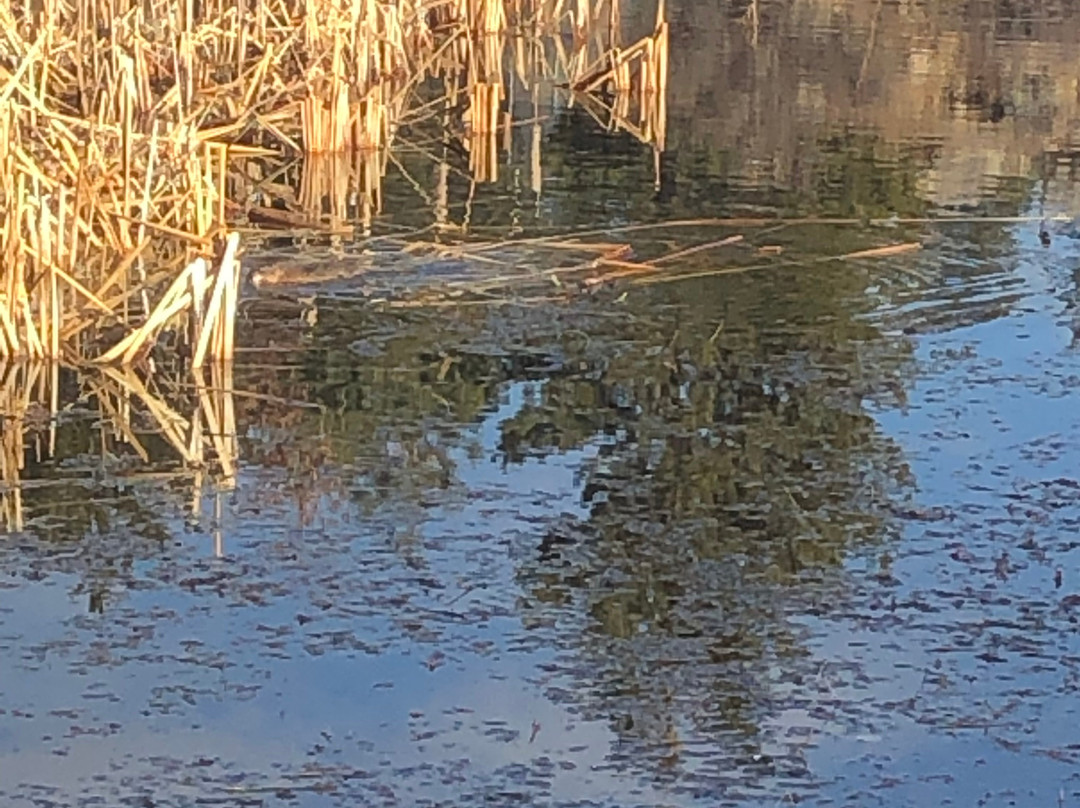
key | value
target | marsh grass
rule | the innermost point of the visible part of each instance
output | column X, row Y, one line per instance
column 126, row 127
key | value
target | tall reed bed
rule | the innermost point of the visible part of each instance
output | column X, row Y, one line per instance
column 111, row 180
column 471, row 96
column 124, row 125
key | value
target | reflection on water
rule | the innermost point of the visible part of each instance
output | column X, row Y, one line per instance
column 799, row 534
column 881, row 105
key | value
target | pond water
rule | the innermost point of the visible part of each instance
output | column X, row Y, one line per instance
column 805, row 534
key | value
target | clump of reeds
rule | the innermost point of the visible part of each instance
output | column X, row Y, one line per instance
column 119, row 122
column 105, row 189
column 123, row 125
column 488, row 51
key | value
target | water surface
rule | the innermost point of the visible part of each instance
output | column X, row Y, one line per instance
column 798, row 535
